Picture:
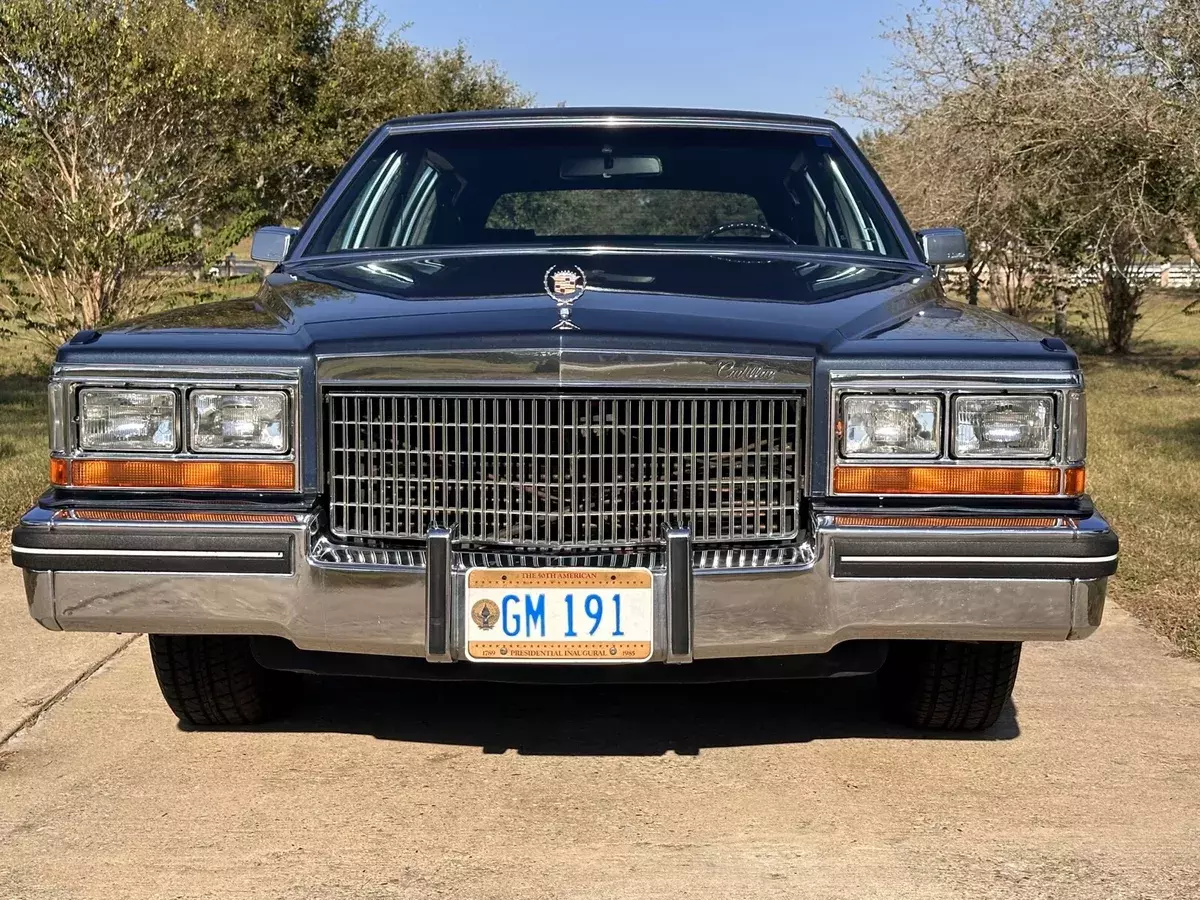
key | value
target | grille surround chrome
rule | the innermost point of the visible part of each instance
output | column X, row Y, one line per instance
column 351, row 557
column 566, row 470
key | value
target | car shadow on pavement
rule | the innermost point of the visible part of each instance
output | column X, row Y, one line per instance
column 604, row 720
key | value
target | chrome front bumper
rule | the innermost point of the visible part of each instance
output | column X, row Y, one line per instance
column 853, row 577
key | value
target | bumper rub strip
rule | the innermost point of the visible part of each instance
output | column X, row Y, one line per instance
column 979, row 559
column 87, row 548
column 214, row 554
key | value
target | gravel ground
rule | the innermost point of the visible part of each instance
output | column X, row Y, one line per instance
column 1090, row 788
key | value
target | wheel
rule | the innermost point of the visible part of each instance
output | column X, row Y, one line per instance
column 212, row 680
column 949, row 685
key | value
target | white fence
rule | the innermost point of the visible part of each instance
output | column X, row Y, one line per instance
column 1167, row 275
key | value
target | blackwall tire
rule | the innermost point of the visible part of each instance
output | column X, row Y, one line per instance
column 214, row 681
column 949, row 685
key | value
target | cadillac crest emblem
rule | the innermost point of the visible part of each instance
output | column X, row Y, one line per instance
column 485, row 613
column 565, row 285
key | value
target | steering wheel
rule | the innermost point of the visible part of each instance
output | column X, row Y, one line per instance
column 731, row 226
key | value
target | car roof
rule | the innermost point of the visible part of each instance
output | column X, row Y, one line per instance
column 648, row 113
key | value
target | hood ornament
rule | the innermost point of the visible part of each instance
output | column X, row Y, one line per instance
column 565, row 285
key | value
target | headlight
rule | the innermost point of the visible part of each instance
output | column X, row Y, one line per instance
column 891, row 426
column 239, row 421
column 113, row 419
column 1003, row 427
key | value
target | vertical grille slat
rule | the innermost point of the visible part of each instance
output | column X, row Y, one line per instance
column 563, row 471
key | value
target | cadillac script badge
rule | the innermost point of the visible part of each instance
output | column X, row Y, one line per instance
column 565, row 284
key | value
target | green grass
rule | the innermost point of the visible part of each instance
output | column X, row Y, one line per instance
column 1144, row 473
column 23, row 443
column 1143, row 467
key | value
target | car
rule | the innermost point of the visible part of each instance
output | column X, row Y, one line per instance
column 574, row 396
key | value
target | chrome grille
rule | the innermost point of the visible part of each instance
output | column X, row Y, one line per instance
column 563, row 471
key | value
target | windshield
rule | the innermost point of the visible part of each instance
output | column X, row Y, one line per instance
column 645, row 186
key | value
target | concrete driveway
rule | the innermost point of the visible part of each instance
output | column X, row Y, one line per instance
column 1090, row 788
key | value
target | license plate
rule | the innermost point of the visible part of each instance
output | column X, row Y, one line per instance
column 559, row 615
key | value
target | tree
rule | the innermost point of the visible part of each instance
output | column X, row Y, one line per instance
column 124, row 124
column 330, row 73
column 1055, row 135
column 113, row 124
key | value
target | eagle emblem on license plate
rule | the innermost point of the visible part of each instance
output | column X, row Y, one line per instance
column 485, row 613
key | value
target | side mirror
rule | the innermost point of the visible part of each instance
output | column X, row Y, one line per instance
column 944, row 246
column 272, row 243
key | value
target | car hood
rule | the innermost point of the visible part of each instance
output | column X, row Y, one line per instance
column 790, row 303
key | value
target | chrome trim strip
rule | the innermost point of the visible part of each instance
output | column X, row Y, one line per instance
column 204, row 554
column 832, row 255
column 624, row 120
column 565, row 367
column 140, row 371
column 980, row 559
column 940, row 380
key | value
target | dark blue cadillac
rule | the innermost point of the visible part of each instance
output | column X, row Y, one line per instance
column 584, row 395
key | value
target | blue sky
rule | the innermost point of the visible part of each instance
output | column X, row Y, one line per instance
column 772, row 55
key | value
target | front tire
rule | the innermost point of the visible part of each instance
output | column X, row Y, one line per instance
column 949, row 685
column 214, row 681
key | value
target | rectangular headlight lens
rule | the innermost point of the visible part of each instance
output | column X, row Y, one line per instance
column 239, row 421
column 886, row 426
column 115, row 420
column 1003, row 427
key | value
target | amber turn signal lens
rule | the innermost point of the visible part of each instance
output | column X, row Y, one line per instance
column 1076, row 481
column 171, row 516
column 945, row 480
column 176, row 473
column 60, row 471
column 948, row 522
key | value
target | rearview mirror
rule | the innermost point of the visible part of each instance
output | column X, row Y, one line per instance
column 272, row 243
column 944, row 246
column 607, row 166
